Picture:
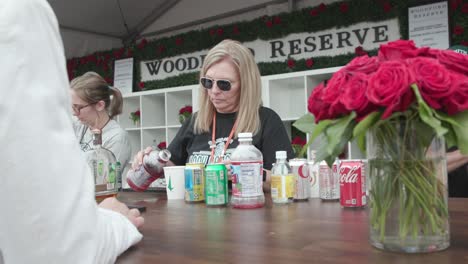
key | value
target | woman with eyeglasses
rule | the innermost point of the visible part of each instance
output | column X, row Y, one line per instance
column 230, row 102
column 94, row 104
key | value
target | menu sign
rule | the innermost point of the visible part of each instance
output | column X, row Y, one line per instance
column 428, row 25
column 123, row 75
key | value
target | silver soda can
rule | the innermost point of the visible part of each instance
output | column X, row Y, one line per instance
column 329, row 182
column 300, row 170
column 152, row 169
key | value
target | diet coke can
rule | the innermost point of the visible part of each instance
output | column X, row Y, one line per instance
column 329, row 182
column 352, row 183
column 300, row 171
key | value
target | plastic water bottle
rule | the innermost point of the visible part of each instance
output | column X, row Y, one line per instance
column 247, row 174
column 282, row 180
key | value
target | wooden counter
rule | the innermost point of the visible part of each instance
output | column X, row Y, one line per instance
column 307, row 232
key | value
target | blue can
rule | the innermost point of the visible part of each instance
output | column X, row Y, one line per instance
column 194, row 182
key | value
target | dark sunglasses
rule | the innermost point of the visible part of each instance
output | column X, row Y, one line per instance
column 223, row 85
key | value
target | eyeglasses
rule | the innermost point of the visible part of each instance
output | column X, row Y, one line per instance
column 223, row 85
column 77, row 108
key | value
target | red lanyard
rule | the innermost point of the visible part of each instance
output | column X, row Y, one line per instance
column 213, row 143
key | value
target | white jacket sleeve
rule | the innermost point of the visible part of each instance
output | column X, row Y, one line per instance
column 47, row 208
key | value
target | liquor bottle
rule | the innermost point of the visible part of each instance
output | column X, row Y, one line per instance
column 151, row 170
column 247, row 174
column 282, row 180
column 104, row 166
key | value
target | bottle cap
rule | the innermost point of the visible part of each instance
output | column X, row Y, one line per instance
column 281, row 154
column 245, row 134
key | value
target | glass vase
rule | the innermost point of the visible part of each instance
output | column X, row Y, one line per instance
column 408, row 187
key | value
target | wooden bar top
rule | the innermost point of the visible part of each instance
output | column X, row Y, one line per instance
column 303, row 232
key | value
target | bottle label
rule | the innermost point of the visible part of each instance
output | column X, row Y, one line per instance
column 247, row 180
column 282, row 186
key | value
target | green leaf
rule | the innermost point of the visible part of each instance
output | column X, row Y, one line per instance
column 305, row 123
column 359, row 131
column 427, row 114
column 336, row 131
column 461, row 131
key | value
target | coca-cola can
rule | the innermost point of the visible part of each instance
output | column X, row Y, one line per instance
column 353, row 183
column 329, row 182
column 300, row 170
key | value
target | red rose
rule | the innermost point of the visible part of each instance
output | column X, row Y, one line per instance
column 220, row 31
column 354, row 97
column 458, row 101
column 141, row 85
column 387, row 7
column 333, row 92
column 277, row 20
column 432, row 78
column 291, row 63
column 309, row 63
column 142, row 44
column 360, row 51
column 161, row 49
column 212, row 32
column 108, row 80
column 364, row 64
column 464, row 8
column 137, row 113
column 322, row 7
column 297, row 140
column 390, row 87
column 179, row 41
column 269, row 23
column 453, row 4
column 129, row 53
column 399, row 50
column 313, row 12
column 235, row 30
column 458, row 30
column 162, row 145
column 344, row 7
column 454, row 61
column 316, row 105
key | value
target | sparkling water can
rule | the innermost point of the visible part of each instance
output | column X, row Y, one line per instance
column 352, row 183
column 300, row 170
column 328, row 182
column 216, row 185
column 194, row 182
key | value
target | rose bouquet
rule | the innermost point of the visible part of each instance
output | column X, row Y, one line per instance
column 184, row 113
column 403, row 101
column 135, row 116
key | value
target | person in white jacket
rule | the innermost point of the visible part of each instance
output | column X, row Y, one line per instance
column 48, row 212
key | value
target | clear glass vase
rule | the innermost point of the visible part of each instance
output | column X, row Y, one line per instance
column 408, row 187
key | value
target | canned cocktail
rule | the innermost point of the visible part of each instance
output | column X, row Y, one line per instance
column 194, row 182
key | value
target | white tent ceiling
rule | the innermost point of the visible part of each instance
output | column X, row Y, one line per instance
column 93, row 25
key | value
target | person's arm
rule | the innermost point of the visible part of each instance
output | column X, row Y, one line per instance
column 49, row 214
column 455, row 159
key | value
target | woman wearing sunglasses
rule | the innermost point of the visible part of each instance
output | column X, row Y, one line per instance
column 230, row 103
column 94, row 105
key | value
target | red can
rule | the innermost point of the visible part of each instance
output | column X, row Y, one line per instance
column 352, row 183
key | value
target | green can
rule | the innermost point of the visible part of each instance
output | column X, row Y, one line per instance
column 216, row 185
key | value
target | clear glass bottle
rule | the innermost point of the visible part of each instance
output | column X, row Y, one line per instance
column 151, row 170
column 247, row 174
column 282, row 180
column 105, row 168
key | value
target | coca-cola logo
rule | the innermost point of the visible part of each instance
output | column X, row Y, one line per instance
column 349, row 174
column 301, row 170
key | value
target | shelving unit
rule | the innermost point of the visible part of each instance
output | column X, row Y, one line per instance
column 286, row 94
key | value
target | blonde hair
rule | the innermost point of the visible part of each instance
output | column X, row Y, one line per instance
column 92, row 88
column 250, row 98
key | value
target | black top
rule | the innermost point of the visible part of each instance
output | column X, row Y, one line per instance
column 458, row 181
column 190, row 148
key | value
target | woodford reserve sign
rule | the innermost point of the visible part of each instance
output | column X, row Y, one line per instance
column 330, row 42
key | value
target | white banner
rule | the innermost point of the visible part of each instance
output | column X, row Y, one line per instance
column 332, row 42
column 123, row 75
